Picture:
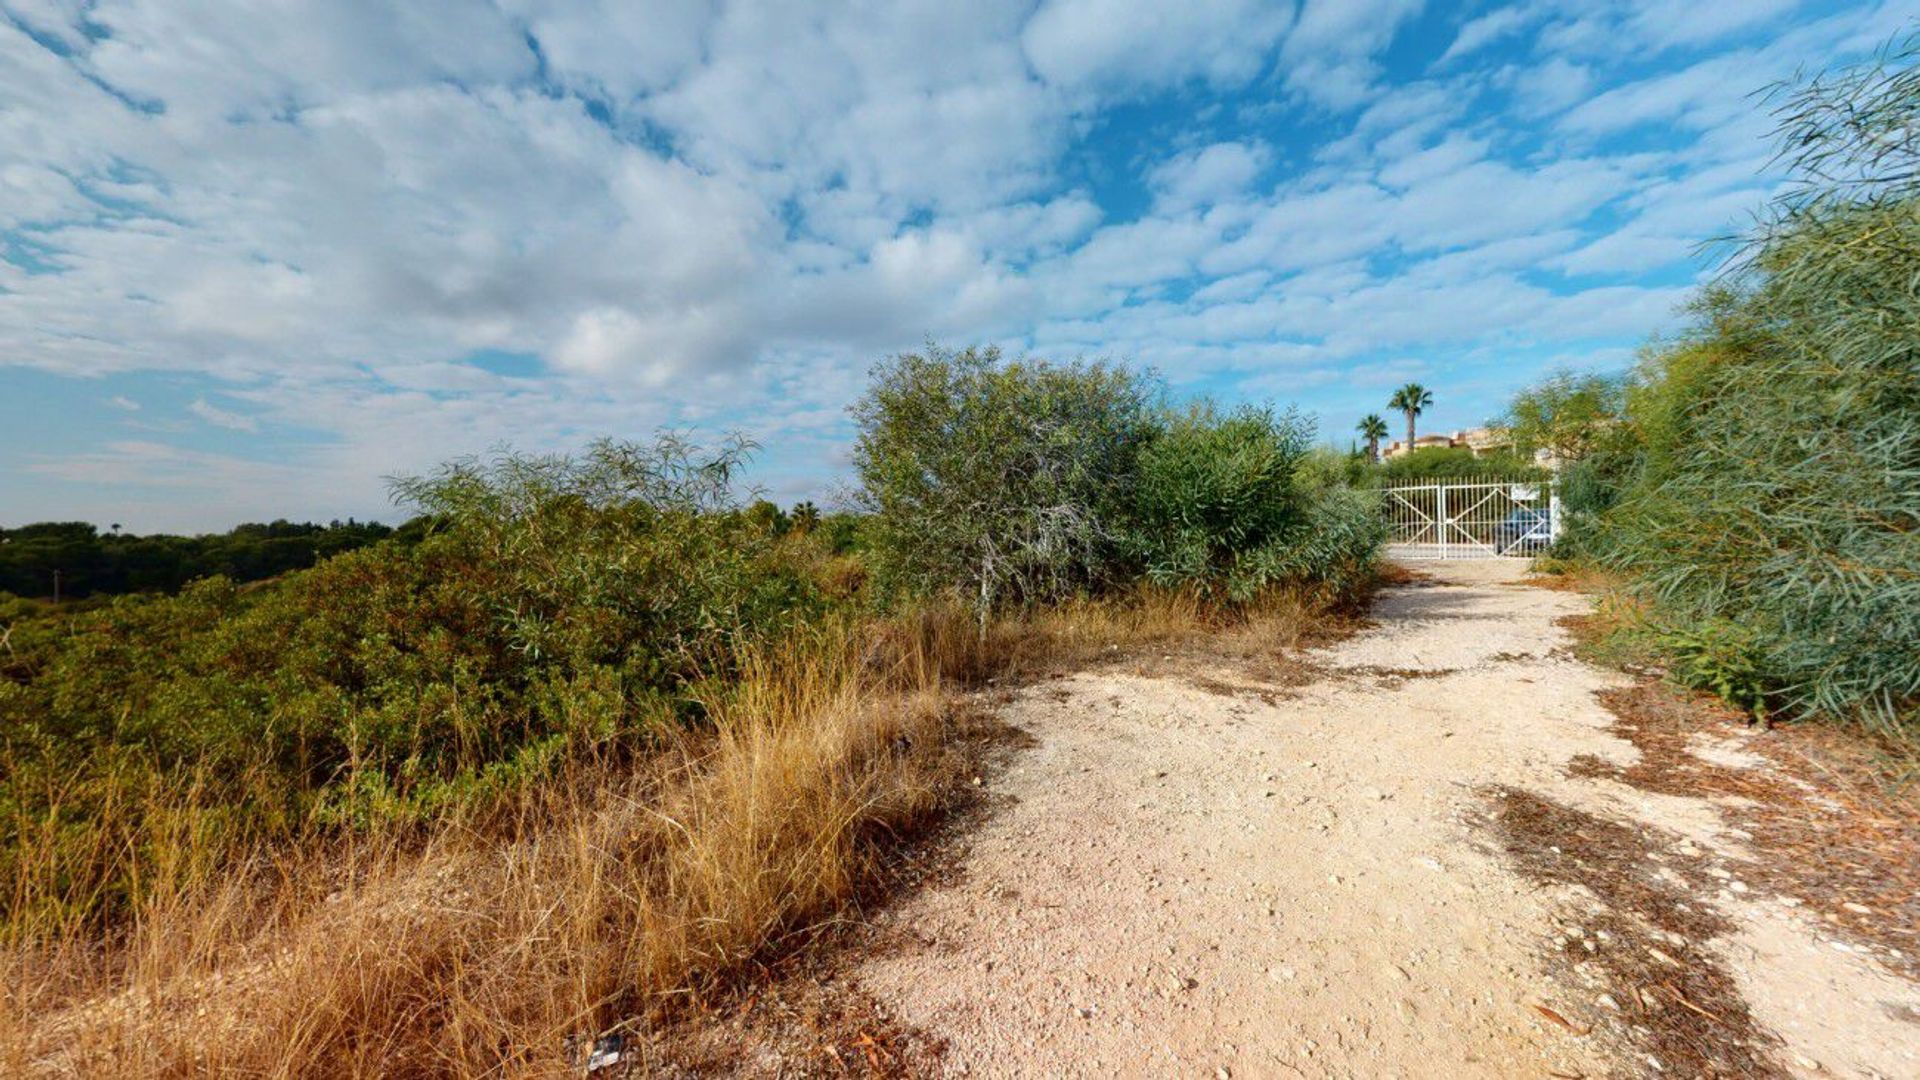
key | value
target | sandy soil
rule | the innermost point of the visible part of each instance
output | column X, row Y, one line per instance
column 1182, row 878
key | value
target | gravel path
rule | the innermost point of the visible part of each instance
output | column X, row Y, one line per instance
column 1183, row 881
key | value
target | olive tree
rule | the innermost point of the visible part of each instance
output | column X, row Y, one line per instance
column 995, row 480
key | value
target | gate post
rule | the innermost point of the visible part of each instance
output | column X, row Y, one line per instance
column 1440, row 515
column 1553, row 510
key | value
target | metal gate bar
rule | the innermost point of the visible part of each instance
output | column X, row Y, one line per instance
column 1470, row 518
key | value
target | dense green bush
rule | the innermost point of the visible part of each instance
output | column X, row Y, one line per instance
column 1002, row 481
column 1213, row 494
column 563, row 604
column 1337, row 548
column 1721, row 656
column 844, row 533
column 1009, row 482
column 1222, row 504
column 1775, row 484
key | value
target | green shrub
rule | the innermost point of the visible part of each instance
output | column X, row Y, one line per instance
column 1588, row 489
column 562, row 605
column 1223, row 504
column 1777, row 485
column 999, row 482
column 1212, row 492
column 1569, row 415
column 1005, row 483
column 1338, row 547
column 1722, row 657
column 845, row 533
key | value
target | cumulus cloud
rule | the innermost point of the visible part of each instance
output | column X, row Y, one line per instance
column 720, row 213
column 1329, row 57
column 1209, row 174
column 1125, row 44
column 621, row 51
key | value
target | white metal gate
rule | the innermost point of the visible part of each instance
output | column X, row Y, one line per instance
column 1470, row 518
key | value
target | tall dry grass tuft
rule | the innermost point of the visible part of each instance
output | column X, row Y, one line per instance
column 602, row 900
column 1083, row 630
column 598, row 900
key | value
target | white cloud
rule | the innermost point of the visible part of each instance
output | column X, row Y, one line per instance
column 1697, row 97
column 1209, row 174
column 1236, row 287
column 720, row 213
column 1399, row 121
column 922, row 105
column 1480, row 32
column 1661, row 23
column 620, row 50
column 57, row 19
column 137, row 463
column 219, row 417
column 211, row 65
column 1674, row 219
column 1096, row 44
column 1329, row 55
column 1552, row 86
column 1455, row 152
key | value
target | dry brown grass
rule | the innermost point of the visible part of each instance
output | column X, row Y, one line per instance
column 1579, row 577
column 1404, row 576
column 601, row 900
column 608, row 900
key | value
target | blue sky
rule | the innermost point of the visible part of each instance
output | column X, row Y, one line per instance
column 251, row 264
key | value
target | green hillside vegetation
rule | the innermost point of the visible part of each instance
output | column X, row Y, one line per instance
column 561, row 603
column 563, row 609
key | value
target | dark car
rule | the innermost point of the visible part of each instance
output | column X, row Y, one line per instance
column 1524, row 532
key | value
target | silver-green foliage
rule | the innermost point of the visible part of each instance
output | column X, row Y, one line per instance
column 998, row 480
column 1014, row 482
column 1780, row 483
column 1569, row 414
column 1338, row 547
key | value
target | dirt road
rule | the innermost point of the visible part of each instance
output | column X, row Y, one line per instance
column 1357, row 877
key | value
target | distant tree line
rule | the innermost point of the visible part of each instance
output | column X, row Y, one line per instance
column 90, row 562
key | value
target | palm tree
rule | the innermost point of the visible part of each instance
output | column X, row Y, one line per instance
column 1410, row 399
column 1372, row 429
column 806, row 517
